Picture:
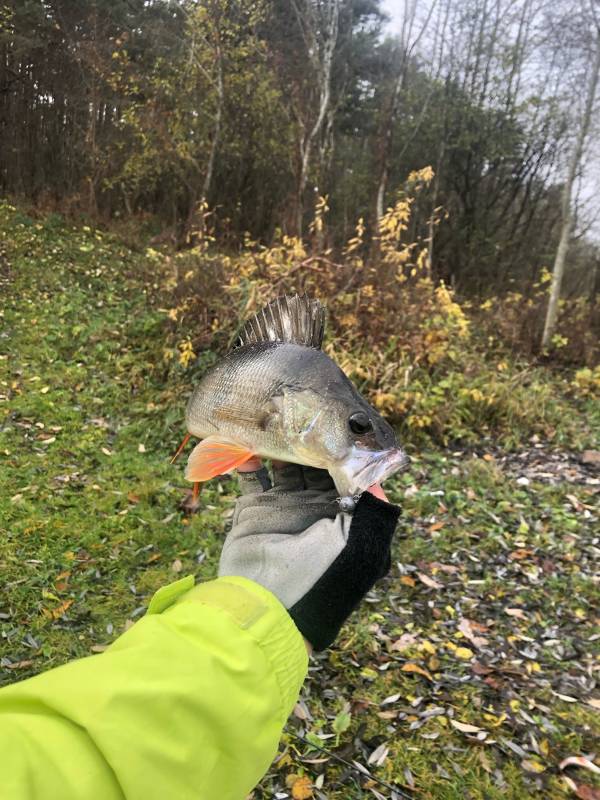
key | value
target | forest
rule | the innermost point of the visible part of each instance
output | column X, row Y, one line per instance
column 251, row 116
column 429, row 171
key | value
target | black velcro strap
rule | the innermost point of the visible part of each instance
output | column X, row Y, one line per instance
column 320, row 614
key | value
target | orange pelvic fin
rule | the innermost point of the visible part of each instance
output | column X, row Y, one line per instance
column 214, row 456
column 186, row 439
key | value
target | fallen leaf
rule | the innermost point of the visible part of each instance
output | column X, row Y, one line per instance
column 520, row 554
column 464, row 653
column 594, row 703
column 436, row 527
column 409, row 667
column 141, row 448
column 566, row 697
column 379, row 755
column 55, row 613
column 515, row 612
column 302, row 788
column 449, row 568
column 429, row 581
column 485, row 762
column 579, row 761
column 98, row 648
column 404, row 642
column 20, row 664
column 406, row 580
column 106, row 451
column 529, row 765
column 467, row 628
column 177, row 566
column 586, row 792
column 464, row 727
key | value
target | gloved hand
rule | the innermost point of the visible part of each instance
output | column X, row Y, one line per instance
column 293, row 539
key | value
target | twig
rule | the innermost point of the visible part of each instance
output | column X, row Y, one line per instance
column 351, row 766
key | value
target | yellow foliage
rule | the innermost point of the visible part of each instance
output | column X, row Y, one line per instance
column 587, row 381
column 186, row 354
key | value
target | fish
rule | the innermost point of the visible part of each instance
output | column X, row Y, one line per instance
column 277, row 395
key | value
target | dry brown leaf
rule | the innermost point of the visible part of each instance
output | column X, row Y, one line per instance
column 406, row 580
column 410, row 667
column 579, row 761
column 449, row 568
column 429, row 581
column 464, row 727
column 467, row 627
column 515, row 612
column 57, row 612
column 586, row 792
column 436, row 527
column 520, row 554
column 594, row 703
column 403, row 643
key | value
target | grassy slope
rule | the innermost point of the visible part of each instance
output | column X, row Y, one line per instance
column 90, row 526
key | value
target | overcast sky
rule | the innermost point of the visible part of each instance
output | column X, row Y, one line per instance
column 392, row 7
column 591, row 180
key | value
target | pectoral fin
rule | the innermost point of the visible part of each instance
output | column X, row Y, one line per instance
column 214, row 456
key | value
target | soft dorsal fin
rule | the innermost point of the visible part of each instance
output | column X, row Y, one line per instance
column 295, row 319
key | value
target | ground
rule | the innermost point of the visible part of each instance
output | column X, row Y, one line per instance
column 468, row 673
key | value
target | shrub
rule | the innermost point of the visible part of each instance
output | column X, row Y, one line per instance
column 436, row 367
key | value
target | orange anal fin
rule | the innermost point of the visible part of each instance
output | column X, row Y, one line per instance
column 215, row 456
column 186, row 439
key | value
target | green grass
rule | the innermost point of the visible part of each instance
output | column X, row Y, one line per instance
column 91, row 526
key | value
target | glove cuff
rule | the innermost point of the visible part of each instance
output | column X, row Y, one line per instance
column 320, row 614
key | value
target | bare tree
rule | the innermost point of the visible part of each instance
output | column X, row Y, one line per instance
column 318, row 21
column 411, row 33
column 574, row 165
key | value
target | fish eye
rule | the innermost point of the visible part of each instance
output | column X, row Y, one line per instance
column 360, row 423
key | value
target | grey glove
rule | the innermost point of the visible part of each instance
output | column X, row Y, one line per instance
column 293, row 539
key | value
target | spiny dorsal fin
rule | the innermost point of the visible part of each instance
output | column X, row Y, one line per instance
column 296, row 319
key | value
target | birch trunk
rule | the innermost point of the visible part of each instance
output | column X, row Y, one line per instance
column 566, row 209
column 321, row 54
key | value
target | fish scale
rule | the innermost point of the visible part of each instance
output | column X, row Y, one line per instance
column 262, row 369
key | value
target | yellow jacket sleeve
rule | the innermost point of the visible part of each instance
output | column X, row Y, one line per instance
column 189, row 703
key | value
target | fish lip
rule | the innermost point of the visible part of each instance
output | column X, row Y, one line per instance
column 389, row 462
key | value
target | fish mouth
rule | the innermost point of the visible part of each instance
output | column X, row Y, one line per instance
column 363, row 468
column 388, row 463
